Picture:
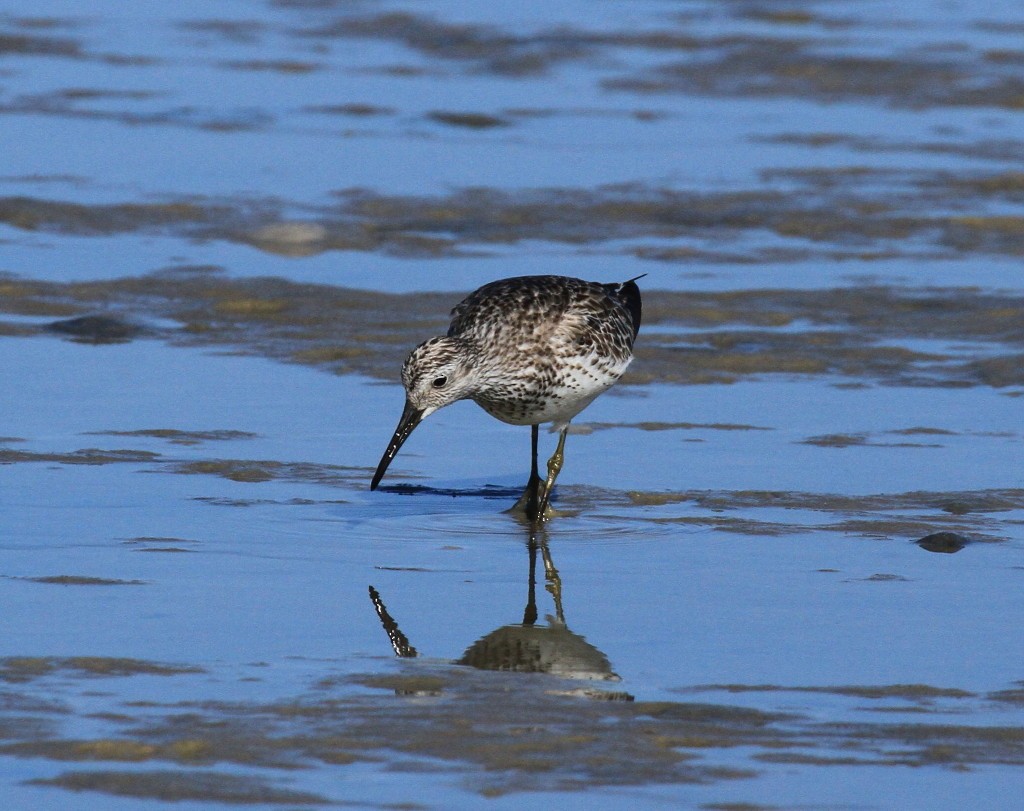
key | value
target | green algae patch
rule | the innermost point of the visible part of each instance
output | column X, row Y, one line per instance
column 1004, row 224
column 123, row 750
column 31, row 214
column 115, row 749
column 253, row 307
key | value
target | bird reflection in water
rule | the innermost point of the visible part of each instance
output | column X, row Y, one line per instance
column 525, row 647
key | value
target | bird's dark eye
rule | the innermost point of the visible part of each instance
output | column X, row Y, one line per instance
column 439, row 381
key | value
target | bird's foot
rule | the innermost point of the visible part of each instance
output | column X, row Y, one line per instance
column 533, row 501
column 528, row 506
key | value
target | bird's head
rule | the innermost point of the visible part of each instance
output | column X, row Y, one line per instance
column 437, row 373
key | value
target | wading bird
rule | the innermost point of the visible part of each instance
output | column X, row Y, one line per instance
column 528, row 350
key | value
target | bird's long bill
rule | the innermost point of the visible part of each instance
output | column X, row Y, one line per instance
column 411, row 417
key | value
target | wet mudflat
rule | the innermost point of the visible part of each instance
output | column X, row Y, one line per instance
column 789, row 542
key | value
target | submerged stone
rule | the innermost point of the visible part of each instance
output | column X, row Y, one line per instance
column 945, row 542
column 96, row 329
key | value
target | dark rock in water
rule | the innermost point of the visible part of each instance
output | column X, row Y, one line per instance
column 947, row 542
column 96, row 329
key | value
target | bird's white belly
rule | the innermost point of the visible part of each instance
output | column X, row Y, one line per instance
column 560, row 400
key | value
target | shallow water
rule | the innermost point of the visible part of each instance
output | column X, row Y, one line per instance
column 828, row 202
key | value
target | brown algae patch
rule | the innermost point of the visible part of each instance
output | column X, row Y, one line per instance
column 28, row 668
column 236, row 470
column 178, row 437
column 861, row 440
column 284, row 66
column 921, row 430
column 80, row 580
column 678, row 58
column 1014, row 695
column 180, row 786
column 697, row 337
column 152, row 543
column 741, row 526
column 956, row 503
column 924, row 693
column 951, row 746
column 752, row 66
column 37, row 44
column 483, row 48
column 550, row 741
column 511, row 733
column 256, row 471
column 252, row 471
column 86, row 456
column 896, row 515
column 353, row 109
column 590, row 427
column 406, row 684
column 844, row 212
column 884, row 577
column 473, row 121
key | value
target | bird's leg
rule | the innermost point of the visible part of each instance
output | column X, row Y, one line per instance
column 530, row 612
column 528, row 501
column 553, row 582
column 554, row 466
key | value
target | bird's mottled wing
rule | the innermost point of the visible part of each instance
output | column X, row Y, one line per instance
column 544, row 309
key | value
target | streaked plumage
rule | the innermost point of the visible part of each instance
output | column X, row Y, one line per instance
column 528, row 350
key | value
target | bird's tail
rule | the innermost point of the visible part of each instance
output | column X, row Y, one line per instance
column 629, row 294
